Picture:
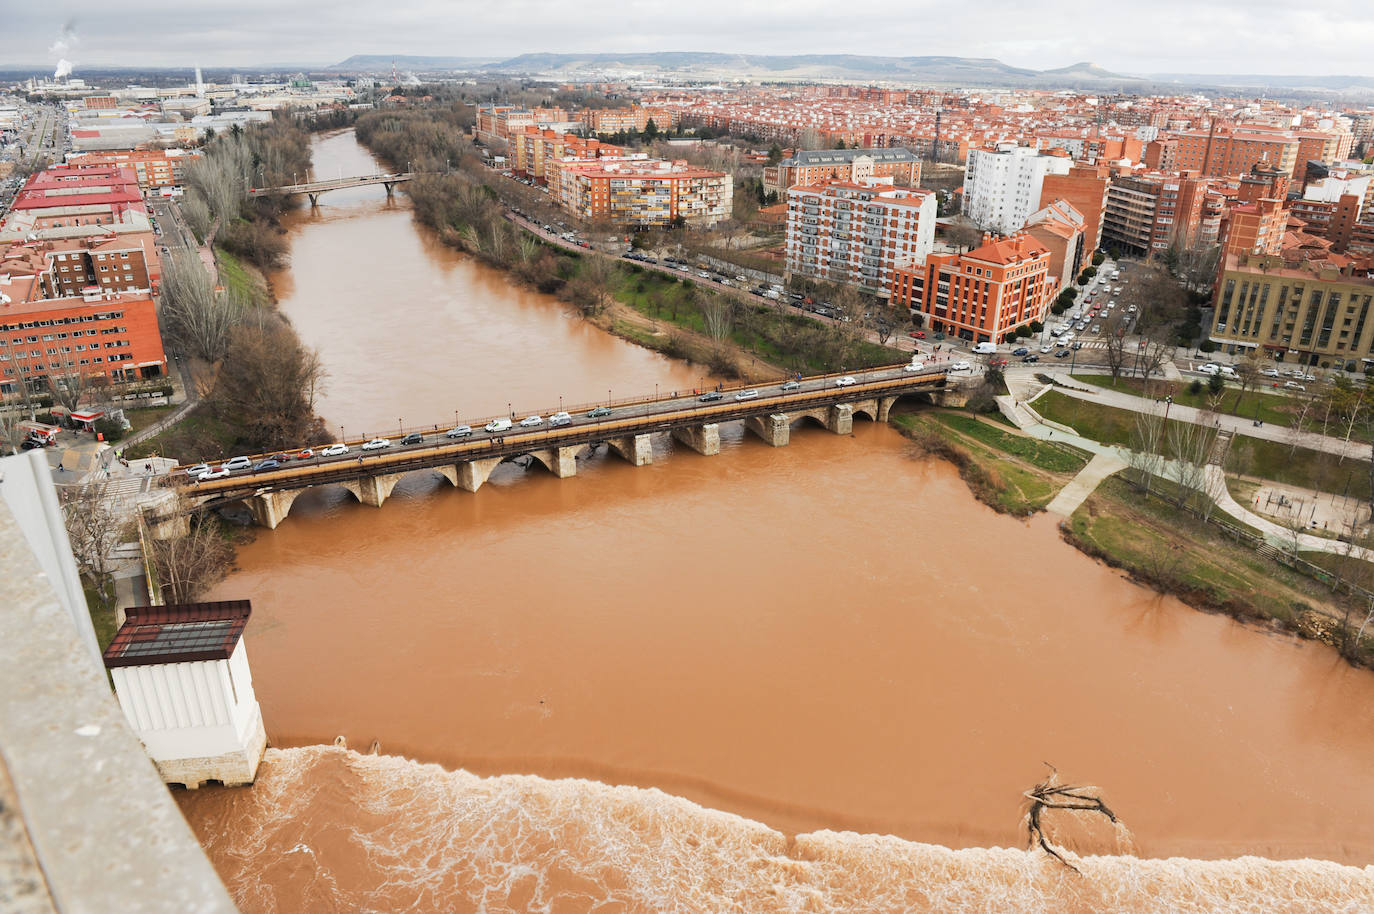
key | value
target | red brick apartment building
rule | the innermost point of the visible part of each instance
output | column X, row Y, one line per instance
column 982, row 295
column 107, row 335
column 857, row 165
column 153, row 168
column 643, row 192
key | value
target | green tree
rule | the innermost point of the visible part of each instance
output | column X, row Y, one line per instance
column 650, row 131
column 774, row 154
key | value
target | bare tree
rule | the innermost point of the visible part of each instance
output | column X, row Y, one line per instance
column 188, row 566
column 1295, row 431
column 963, row 232
column 1247, row 376
column 94, row 528
column 1048, row 795
column 717, row 316
column 23, row 378
column 1145, row 455
column 1115, row 353
column 1191, row 444
column 196, row 318
column 68, row 388
column 268, row 385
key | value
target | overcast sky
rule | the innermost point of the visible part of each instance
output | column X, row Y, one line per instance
column 1211, row 36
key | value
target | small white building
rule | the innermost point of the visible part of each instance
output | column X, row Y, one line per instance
column 181, row 675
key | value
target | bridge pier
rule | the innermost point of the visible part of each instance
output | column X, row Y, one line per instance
column 637, row 449
column 561, row 461
column 373, row 490
column 704, row 439
column 775, row 430
column 840, row 419
column 449, row 472
column 270, row 508
column 473, row 473
column 390, row 188
column 314, row 200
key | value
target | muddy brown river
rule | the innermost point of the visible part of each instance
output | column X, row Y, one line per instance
column 683, row 686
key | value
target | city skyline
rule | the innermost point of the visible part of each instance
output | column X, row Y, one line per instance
column 1222, row 39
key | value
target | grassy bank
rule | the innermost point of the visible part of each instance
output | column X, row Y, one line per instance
column 998, row 468
column 1258, row 457
column 1179, row 554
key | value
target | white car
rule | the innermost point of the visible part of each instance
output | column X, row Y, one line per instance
column 914, row 366
column 960, row 365
column 461, row 431
column 558, row 419
column 531, row 421
column 238, row 463
column 1046, row 349
column 334, row 450
column 1210, row 368
column 1269, row 372
column 750, row 394
column 376, row 444
column 847, row 381
column 497, row 425
column 221, row 472
column 196, row 470
column 1293, row 385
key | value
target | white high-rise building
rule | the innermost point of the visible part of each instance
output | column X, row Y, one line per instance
column 1002, row 185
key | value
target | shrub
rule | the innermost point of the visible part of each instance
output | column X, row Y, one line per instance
column 111, row 429
column 1195, row 388
column 1207, row 346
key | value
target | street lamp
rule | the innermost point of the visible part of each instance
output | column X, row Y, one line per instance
column 400, row 426
column 1168, row 402
column 342, row 439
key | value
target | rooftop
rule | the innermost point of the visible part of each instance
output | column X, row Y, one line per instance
column 178, row 633
column 845, row 156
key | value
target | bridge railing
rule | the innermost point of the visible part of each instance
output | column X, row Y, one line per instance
column 400, row 430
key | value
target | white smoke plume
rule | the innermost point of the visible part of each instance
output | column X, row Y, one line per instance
column 66, row 40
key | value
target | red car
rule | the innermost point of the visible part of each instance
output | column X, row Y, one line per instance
column 916, row 334
column 305, row 454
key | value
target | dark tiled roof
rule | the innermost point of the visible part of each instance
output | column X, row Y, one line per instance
column 178, row 633
column 845, row 156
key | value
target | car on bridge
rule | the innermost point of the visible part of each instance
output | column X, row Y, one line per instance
column 750, row 394
column 268, row 464
column 914, row 366
column 710, row 396
column 458, row 431
column 498, row 425
column 238, row 463
column 376, row 444
column 305, row 453
column 334, row 450
column 599, row 412
column 531, row 421
column 559, row 418
column 791, row 385
column 413, row 438
column 194, row 471
column 847, row 381
column 216, row 473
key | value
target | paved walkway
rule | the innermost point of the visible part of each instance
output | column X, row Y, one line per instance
column 1081, row 486
column 1024, row 386
column 1275, row 534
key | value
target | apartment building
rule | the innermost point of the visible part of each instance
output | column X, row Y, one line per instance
column 1149, row 213
column 1256, row 221
column 1003, row 186
column 630, row 120
column 1309, row 313
column 856, row 165
column 858, row 232
column 1059, row 229
column 498, row 123
column 1226, row 151
column 642, row 192
column 111, row 335
column 153, row 168
column 1085, row 189
column 533, row 150
column 980, row 296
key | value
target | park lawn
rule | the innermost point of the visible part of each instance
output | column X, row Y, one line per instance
column 198, row 425
column 1057, row 458
column 239, row 280
column 997, row 478
column 1270, row 408
column 1258, row 457
column 151, row 415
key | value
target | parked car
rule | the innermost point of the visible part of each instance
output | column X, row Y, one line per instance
column 334, row 450
column 498, row 425
column 791, row 385
column 1293, row 385
column 268, row 464
column 847, row 381
column 1046, row 349
column 238, row 463
column 376, row 444
column 531, row 421
column 458, row 431
column 216, row 473
column 710, row 396
column 1269, row 372
column 916, row 334
column 1062, row 354
column 1020, row 350
column 750, row 394
column 413, row 438
column 559, row 418
column 599, row 412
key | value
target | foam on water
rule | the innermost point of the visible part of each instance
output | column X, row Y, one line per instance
column 325, row 828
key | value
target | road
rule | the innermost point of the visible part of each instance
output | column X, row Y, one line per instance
column 723, row 405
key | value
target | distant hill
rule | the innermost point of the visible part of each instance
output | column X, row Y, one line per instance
column 1262, row 81
column 371, row 63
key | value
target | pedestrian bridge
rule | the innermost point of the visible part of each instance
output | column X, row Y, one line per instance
column 313, row 189
column 467, row 462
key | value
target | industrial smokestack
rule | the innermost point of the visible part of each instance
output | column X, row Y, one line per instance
column 64, row 68
column 200, row 85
